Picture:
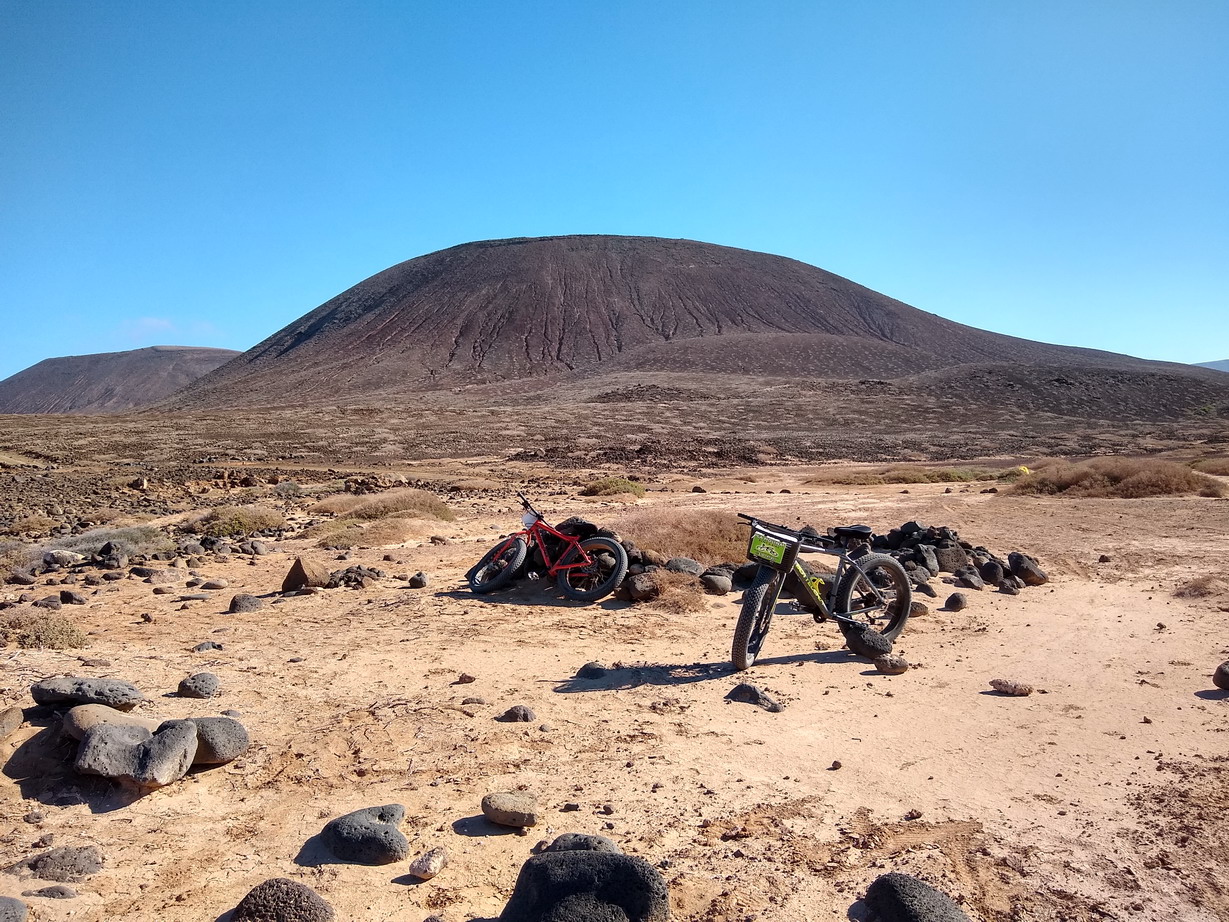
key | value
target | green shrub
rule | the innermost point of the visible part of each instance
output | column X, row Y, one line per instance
column 288, row 489
column 612, row 486
column 1119, row 478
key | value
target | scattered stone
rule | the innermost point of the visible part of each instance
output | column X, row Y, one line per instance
column 969, row 578
column 200, row 685
column 1009, row 687
column 62, row 558
column 219, row 740
column 991, row 572
column 835, row 766
column 304, row 574
column 926, row 589
column 745, row 691
column 51, row 602
column 951, row 557
column 582, row 842
column 66, row 864
column 84, row 717
column 215, row 584
column 133, row 755
column 641, row 587
column 438, row 540
column 1104, row 558
column 571, row 886
column 283, row 900
column 902, row 898
column 511, row 808
column 244, row 602
column 956, row 602
column 11, row 718
column 1026, row 568
column 864, row 640
column 685, row 565
column 68, row 597
column 430, row 864
column 465, row 679
column 918, row 609
column 56, row 892
column 22, row 578
column 717, row 582
column 891, row 664
column 1220, row 678
column 368, row 836
column 518, row 713
column 592, row 670
column 1008, row 587
column 418, row 580
column 34, row 817
column 116, row 693
column 473, row 699
column 206, row 646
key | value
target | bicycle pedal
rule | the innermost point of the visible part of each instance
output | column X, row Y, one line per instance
column 533, row 575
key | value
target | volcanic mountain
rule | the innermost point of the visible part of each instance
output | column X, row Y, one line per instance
column 1222, row 365
column 107, row 382
column 554, row 310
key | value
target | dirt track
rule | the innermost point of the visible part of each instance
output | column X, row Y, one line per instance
column 1101, row 798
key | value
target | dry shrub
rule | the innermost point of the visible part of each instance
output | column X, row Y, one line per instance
column 38, row 629
column 349, row 532
column 679, row 593
column 13, row 554
column 1202, row 587
column 406, row 503
column 707, row 535
column 233, row 521
column 1119, row 478
column 31, row 525
column 1216, row 466
column 134, row 541
column 904, row 474
column 612, row 486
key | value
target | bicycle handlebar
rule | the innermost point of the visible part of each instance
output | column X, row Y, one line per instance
column 803, row 538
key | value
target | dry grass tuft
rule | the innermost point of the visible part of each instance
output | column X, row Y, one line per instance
column 133, row 541
column 1216, row 466
column 681, row 593
column 40, row 630
column 1202, row 587
column 1119, row 478
column 707, row 535
column 350, row 532
column 13, row 554
column 406, row 503
column 233, row 521
column 31, row 525
column 612, row 486
column 910, row 474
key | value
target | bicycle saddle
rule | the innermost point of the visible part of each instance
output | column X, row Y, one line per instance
column 862, row 532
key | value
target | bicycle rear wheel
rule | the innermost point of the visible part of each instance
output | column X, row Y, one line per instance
column 755, row 618
column 879, row 594
column 597, row 579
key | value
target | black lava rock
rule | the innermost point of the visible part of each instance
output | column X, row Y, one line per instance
column 901, row 898
column 587, row 886
column 368, row 836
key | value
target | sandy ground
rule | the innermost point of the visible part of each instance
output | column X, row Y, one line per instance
column 1102, row 798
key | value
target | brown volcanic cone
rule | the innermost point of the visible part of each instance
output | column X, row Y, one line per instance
column 581, row 306
column 107, row 382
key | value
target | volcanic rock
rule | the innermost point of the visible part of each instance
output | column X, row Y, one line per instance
column 219, row 740
column 304, row 574
column 587, row 886
column 116, row 693
column 511, row 808
column 368, row 836
column 200, row 685
column 282, row 900
column 902, row 898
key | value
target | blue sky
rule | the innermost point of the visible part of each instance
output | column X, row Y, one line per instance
column 202, row 173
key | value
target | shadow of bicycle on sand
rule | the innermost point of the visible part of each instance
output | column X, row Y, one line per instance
column 633, row 675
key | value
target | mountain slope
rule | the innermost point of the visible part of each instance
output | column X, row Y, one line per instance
column 572, row 307
column 107, row 382
column 1222, row 365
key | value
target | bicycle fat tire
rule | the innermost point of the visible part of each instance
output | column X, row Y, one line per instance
column 599, row 579
column 881, row 568
column 755, row 618
column 497, row 567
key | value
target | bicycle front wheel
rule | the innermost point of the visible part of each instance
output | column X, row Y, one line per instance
column 878, row 594
column 598, row 578
column 755, row 618
column 496, row 569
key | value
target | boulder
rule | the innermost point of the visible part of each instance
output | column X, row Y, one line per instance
column 925, row 555
column 1220, row 678
column 282, row 900
column 418, row 580
column 991, row 572
column 68, row 597
column 511, row 808
column 956, row 602
column 244, row 602
column 717, row 582
column 969, row 578
column 1025, row 568
column 642, row 587
column 902, row 898
column 219, row 740
column 133, row 755
column 1008, row 587
column 68, row 691
column 200, row 685
column 587, row 886
column 518, row 713
column 62, row 558
column 215, row 584
column 891, row 664
column 12, row 909
column 68, row 863
column 368, row 836
column 304, row 574
column 78, row 721
column 685, row 565
column 950, row 557
column 582, row 842
column 864, row 640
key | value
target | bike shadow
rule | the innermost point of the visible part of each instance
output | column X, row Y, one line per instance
column 531, row 594
column 624, row 676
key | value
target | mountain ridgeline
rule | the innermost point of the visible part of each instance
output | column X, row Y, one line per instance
column 571, row 309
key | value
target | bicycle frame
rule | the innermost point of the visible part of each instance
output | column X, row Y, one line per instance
column 778, row 547
column 533, row 535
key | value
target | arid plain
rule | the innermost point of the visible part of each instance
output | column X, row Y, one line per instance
column 1100, row 796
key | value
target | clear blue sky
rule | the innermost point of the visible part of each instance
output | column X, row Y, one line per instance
column 202, row 173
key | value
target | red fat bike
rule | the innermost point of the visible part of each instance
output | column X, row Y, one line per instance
column 586, row 566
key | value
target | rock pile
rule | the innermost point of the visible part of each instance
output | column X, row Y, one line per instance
column 926, row 551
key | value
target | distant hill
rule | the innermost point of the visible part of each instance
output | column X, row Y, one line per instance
column 107, row 382
column 567, row 309
column 1222, row 365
